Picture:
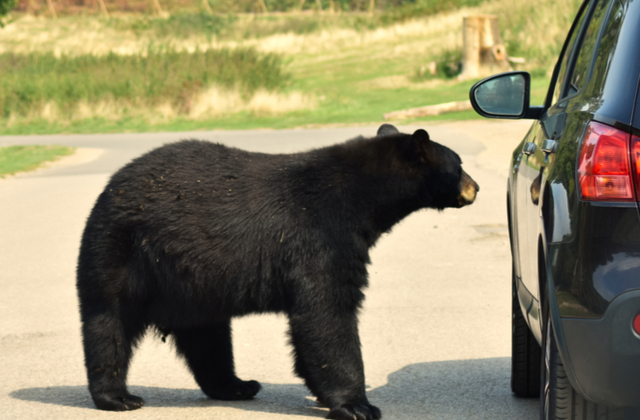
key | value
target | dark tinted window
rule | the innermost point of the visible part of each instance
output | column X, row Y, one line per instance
column 557, row 89
column 607, row 46
column 582, row 66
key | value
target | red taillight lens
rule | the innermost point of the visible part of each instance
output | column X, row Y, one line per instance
column 635, row 161
column 604, row 172
column 636, row 324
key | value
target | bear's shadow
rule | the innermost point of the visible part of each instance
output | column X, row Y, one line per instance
column 273, row 398
column 477, row 388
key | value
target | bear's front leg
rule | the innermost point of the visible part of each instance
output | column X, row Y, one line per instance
column 328, row 358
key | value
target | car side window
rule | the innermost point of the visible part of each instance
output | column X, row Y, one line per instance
column 564, row 63
column 607, row 45
column 583, row 63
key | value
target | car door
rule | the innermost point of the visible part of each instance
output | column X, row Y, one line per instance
column 540, row 148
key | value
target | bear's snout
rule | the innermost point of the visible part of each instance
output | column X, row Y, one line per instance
column 468, row 190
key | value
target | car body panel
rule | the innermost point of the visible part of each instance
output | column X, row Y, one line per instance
column 605, row 353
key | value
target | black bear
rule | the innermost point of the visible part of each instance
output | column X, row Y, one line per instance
column 194, row 233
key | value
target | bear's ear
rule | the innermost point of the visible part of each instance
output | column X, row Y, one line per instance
column 387, row 130
column 420, row 136
column 421, row 141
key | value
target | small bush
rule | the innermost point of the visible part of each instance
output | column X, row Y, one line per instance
column 448, row 65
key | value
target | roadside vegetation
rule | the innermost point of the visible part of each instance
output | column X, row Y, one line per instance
column 235, row 66
column 155, row 79
column 14, row 159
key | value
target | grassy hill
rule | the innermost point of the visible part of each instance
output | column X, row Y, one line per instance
column 134, row 72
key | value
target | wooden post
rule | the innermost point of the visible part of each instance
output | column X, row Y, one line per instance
column 430, row 110
column 483, row 51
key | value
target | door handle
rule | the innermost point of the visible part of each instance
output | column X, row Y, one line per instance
column 516, row 166
column 529, row 148
column 549, row 146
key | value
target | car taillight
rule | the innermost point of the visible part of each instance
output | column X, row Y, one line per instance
column 636, row 324
column 635, row 161
column 604, row 172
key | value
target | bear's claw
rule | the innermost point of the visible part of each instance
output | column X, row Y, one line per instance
column 363, row 411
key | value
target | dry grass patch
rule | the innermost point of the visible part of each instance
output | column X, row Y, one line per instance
column 213, row 102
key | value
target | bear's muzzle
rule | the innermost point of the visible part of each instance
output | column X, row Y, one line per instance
column 468, row 190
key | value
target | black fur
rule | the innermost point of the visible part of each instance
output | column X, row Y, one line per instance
column 194, row 233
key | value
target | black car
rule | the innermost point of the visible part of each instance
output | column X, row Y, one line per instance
column 574, row 219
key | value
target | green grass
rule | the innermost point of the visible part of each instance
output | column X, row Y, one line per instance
column 29, row 81
column 14, row 159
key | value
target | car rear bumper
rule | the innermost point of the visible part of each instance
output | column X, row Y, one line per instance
column 604, row 354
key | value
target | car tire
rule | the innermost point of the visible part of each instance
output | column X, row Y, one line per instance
column 559, row 400
column 525, row 354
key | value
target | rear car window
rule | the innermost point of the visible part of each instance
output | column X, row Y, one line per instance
column 557, row 89
column 584, row 60
column 607, row 46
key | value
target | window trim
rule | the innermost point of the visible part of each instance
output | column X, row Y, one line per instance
column 571, row 59
column 594, row 53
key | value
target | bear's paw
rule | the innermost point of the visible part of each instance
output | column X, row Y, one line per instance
column 364, row 411
column 238, row 390
column 117, row 401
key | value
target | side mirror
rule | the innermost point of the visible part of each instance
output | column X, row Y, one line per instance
column 504, row 95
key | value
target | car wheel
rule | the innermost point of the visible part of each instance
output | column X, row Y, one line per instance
column 559, row 400
column 525, row 354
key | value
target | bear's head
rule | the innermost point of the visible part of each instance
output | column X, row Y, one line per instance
column 445, row 184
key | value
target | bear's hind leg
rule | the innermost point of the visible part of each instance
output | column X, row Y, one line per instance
column 108, row 348
column 209, row 355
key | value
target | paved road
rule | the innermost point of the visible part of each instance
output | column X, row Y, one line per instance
column 435, row 327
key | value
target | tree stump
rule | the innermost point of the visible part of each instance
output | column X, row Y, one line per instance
column 483, row 50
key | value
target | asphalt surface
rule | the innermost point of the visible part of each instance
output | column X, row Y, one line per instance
column 435, row 327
